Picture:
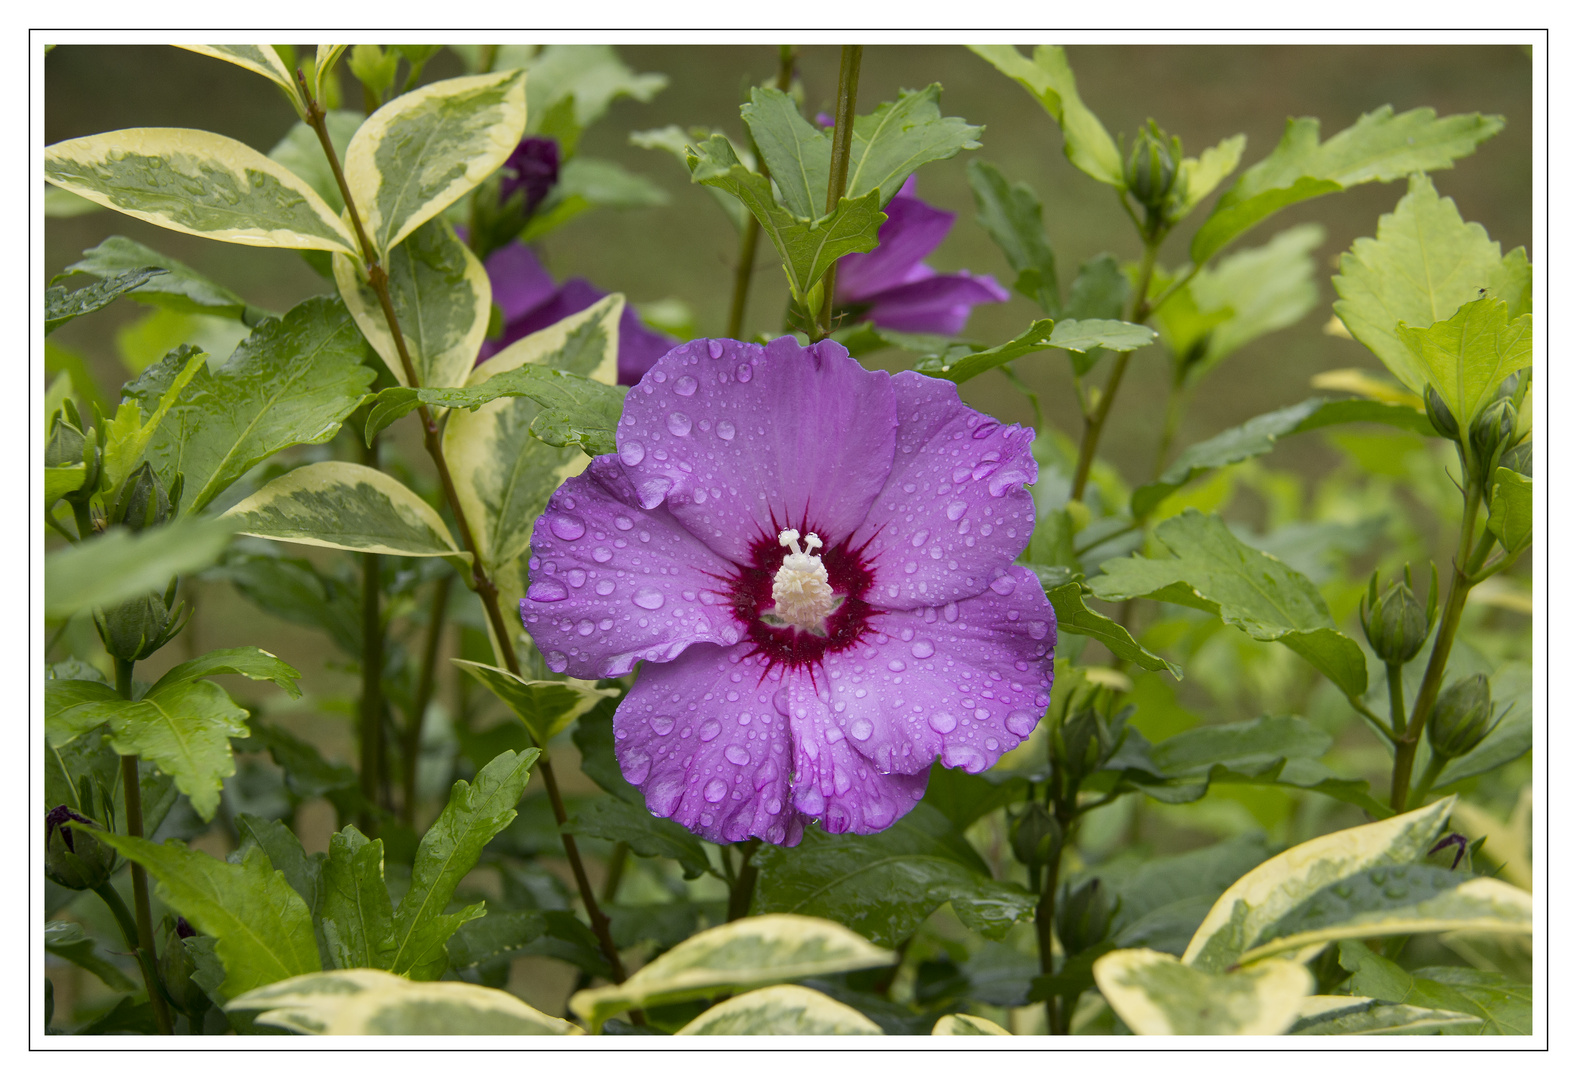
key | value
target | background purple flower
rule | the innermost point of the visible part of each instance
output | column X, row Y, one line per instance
column 534, row 167
column 530, row 301
column 896, row 289
column 792, row 676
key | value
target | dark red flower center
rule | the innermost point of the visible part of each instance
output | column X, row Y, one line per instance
column 845, row 625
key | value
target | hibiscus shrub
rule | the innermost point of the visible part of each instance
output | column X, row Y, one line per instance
column 744, row 683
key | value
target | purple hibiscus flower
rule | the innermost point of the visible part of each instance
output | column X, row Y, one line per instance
column 893, row 288
column 525, row 292
column 815, row 562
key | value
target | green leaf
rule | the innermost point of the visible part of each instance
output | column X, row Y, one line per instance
column 68, row 941
column 545, row 706
column 293, row 381
column 128, row 436
column 441, row 296
column 586, row 184
column 1050, row 81
column 740, row 955
column 1155, row 994
column 179, row 287
column 594, row 739
column 475, row 813
column 503, row 474
column 646, row 835
column 185, row 729
column 60, row 306
column 798, row 152
column 1342, row 1015
column 1198, row 177
column 960, row 364
column 1165, row 898
column 1214, row 571
column 355, row 913
column 1511, row 510
column 1259, row 436
column 575, row 410
column 895, row 140
column 118, row 565
column 1242, row 746
column 1423, row 264
column 1391, row 900
column 366, row 1002
column 303, row 872
column 247, row 660
column 965, row 1024
column 1012, row 217
column 200, row 183
column 60, row 481
column 293, row 590
column 1244, row 914
column 808, row 246
column 1500, row 1005
column 886, row 884
column 263, row 929
column 1380, row 147
column 781, row 1010
column 1466, row 357
column 302, row 153
column 427, row 148
column 676, row 141
column 501, row 935
column 337, row 504
column 964, row 798
column 1074, row 617
column 593, row 75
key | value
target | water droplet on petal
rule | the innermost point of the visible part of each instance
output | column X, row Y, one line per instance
column 963, row 757
column 577, row 577
column 942, row 722
column 1003, row 585
column 567, row 526
column 950, row 611
column 1021, row 723
column 585, row 628
column 743, row 372
column 922, row 649
column 895, row 665
column 604, row 587
column 956, row 510
column 686, row 386
column 662, row 724
column 648, row 598
column 716, row 787
column 546, row 592
column 632, row 453
column 919, row 538
column 738, row 755
column 1037, row 629
column 636, row 764
column 861, row 729
column 602, row 555
column 715, row 348
column 679, row 423
column 725, row 430
column 623, row 524
column 557, row 661
column 709, row 730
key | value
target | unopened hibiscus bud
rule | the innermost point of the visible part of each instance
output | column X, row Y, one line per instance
column 1151, row 174
column 533, row 167
column 1396, row 624
column 1461, row 717
column 1036, row 835
column 144, row 501
column 1084, row 916
column 176, row 966
column 72, row 857
column 65, row 444
column 1492, row 432
column 139, row 627
column 1439, row 414
column 1519, row 459
column 1086, row 742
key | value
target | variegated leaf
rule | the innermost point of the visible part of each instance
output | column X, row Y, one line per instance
column 425, row 149
column 1329, row 1014
column 1156, row 994
column 337, row 504
column 545, row 706
column 200, row 183
column 442, row 298
column 965, row 1024
column 781, row 1010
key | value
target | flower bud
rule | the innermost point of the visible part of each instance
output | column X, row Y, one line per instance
column 138, row 628
column 1084, row 916
column 1491, row 431
column 533, row 167
column 65, row 444
column 1461, row 717
column 1519, row 459
column 72, row 857
column 1082, row 736
column 1152, row 168
column 143, row 502
column 1439, row 414
column 1036, row 835
column 176, row 966
column 1396, row 624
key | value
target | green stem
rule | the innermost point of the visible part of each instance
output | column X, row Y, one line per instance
column 411, row 744
column 1045, row 919
column 751, row 236
column 481, row 583
column 838, row 174
column 146, row 957
column 616, row 864
column 1094, row 424
column 744, row 890
column 1176, row 398
column 1462, row 570
column 371, row 710
column 1393, row 678
column 1432, row 770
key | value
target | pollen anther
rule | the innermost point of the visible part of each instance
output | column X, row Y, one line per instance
column 801, row 597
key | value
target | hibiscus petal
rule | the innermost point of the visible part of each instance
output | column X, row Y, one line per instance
column 639, row 347
column 954, row 510
column 966, row 682
column 912, row 231
column 520, row 282
column 938, row 304
column 612, row 583
column 743, row 440
column 701, row 739
column 833, row 781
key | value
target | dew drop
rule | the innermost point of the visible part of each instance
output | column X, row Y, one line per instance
column 1003, row 585
column 942, row 722
column 577, row 577
column 716, row 787
column 604, row 587
column 1021, row 723
column 662, row 724
column 632, row 453
column 743, row 372
column 774, row 806
column 922, row 649
column 895, row 665
column 1037, row 630
column 546, row 592
column 725, row 430
column 963, row 757
column 637, row 764
column 956, row 510
column 861, row 729
column 950, row 611
column 623, row 524
column 602, row 555
column 679, row 423
column 585, row 628
column 738, row 755
column 919, row 538
column 648, row 598
column 709, row 730
column 567, row 527
column 686, row 386
column 557, row 661
column 715, row 349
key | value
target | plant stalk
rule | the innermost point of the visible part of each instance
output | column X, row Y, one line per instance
column 838, row 175
column 411, row 744
column 751, row 236
column 146, row 956
column 744, row 890
column 1393, row 678
column 371, row 706
column 483, row 585
column 1432, row 770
